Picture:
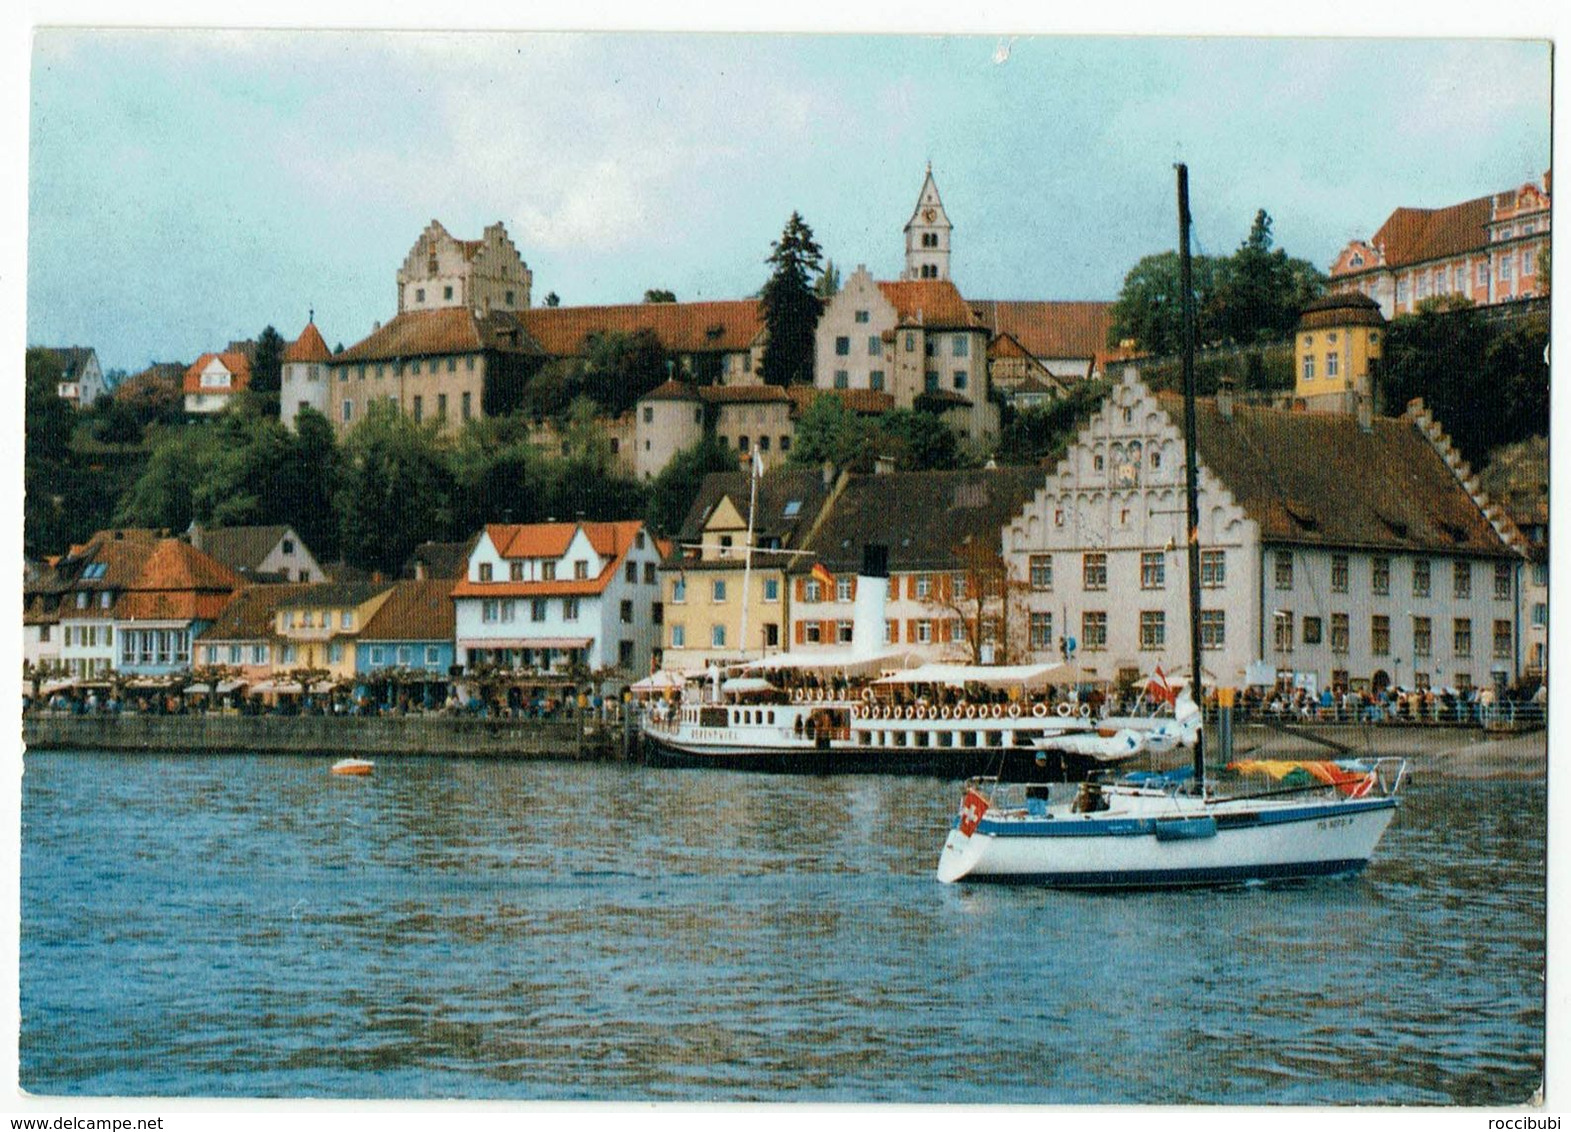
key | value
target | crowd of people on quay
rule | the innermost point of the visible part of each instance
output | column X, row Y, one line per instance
column 96, row 702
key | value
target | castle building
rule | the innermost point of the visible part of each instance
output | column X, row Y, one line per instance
column 303, row 375
column 483, row 275
column 1485, row 250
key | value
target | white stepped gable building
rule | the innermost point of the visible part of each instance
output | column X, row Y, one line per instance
column 481, row 275
column 1336, row 551
column 551, row 596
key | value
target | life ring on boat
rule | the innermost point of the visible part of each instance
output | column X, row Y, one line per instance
column 910, row 712
column 820, row 695
column 867, row 695
column 1065, row 711
column 944, row 711
column 1039, row 710
column 998, row 711
column 921, row 711
column 1085, row 711
column 970, row 711
column 796, row 695
column 1014, row 711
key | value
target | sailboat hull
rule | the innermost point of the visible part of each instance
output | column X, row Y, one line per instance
column 1248, row 842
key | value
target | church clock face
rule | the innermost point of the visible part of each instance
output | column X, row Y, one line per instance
column 928, row 214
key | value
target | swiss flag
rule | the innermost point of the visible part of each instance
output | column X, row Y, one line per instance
column 1159, row 689
column 971, row 811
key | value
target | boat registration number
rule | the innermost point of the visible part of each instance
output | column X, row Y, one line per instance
column 1334, row 823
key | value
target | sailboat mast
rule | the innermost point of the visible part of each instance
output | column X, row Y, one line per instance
column 1191, row 471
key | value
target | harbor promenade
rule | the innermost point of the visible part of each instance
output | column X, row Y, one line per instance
column 1448, row 751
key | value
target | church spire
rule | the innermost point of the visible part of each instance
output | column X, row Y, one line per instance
column 927, row 234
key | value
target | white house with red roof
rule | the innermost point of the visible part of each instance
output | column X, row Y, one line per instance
column 305, row 381
column 546, row 597
column 213, row 379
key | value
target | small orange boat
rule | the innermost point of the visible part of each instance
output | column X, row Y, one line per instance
column 353, row 766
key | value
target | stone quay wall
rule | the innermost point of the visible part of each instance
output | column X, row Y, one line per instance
column 330, row 735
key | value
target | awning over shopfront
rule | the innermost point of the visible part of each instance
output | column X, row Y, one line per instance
column 536, row 643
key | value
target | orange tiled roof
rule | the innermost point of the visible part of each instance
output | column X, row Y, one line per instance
column 234, row 361
column 934, row 303
column 1051, row 328
column 672, row 390
column 683, row 328
column 446, row 330
column 1413, row 235
column 749, row 394
column 309, row 347
column 610, row 540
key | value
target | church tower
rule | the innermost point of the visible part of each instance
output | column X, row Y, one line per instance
column 927, row 235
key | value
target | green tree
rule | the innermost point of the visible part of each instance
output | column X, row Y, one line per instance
column 828, row 285
column 672, row 493
column 620, row 368
column 1487, row 383
column 267, row 369
column 552, row 299
column 1258, row 292
column 164, row 494
column 917, row 441
column 46, row 463
column 828, row 430
column 1148, row 310
column 790, row 307
column 498, row 475
column 657, row 295
column 1033, row 435
column 394, row 489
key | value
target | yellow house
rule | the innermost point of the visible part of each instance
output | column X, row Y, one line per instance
column 1337, row 338
column 317, row 627
column 702, row 581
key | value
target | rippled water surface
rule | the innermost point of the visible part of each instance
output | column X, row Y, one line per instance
column 237, row 926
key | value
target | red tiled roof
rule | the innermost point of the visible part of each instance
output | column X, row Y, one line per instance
column 235, row 362
column 1052, row 329
column 683, row 328
column 748, row 394
column 309, row 347
column 934, row 303
column 447, row 330
column 1413, row 235
column 177, row 581
column 672, row 390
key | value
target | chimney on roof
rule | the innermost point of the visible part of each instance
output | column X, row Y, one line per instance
column 1224, row 398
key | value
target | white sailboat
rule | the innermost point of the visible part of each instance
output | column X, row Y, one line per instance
column 1164, row 831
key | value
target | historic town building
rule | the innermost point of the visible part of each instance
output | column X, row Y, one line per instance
column 949, row 597
column 726, row 597
column 1485, row 250
column 259, row 554
column 1338, row 550
column 1338, row 338
column 81, row 377
column 213, row 380
column 559, row 597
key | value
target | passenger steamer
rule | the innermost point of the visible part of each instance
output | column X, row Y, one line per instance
column 867, row 709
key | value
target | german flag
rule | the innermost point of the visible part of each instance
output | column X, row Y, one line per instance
column 822, row 575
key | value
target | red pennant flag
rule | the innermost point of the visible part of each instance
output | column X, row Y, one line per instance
column 1159, row 689
column 971, row 811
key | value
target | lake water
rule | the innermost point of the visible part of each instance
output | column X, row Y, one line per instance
column 252, row 926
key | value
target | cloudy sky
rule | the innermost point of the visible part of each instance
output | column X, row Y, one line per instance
column 187, row 188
